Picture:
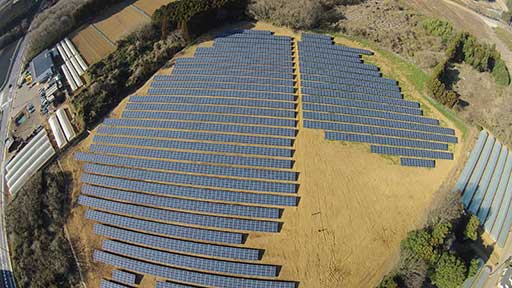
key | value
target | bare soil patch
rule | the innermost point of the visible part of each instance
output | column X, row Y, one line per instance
column 91, row 45
column 122, row 23
column 150, row 6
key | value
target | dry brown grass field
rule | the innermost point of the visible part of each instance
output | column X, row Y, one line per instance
column 150, row 6
column 92, row 46
column 122, row 23
column 354, row 210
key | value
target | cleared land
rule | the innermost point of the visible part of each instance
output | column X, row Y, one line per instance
column 150, row 6
column 122, row 23
column 355, row 206
column 92, row 45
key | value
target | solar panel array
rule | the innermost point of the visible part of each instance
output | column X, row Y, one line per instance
column 179, row 180
column 486, row 186
column 351, row 101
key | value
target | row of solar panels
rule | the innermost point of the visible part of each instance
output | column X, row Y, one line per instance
column 251, row 52
column 377, row 122
column 248, row 41
column 357, row 96
column 361, row 104
column 227, row 79
column 124, row 277
column 346, row 74
column 235, row 72
column 320, row 40
column 235, row 60
column 228, row 171
column 185, row 218
column 205, row 181
column 397, row 151
column 190, row 262
column 330, row 48
column 223, row 86
column 352, row 68
column 378, row 131
column 202, row 146
column 383, row 86
column 235, row 66
column 182, row 204
column 389, row 141
column 204, row 117
column 177, row 245
column 274, row 113
column 320, row 57
column 231, row 128
column 414, row 162
column 202, row 136
column 187, row 276
column 190, row 192
column 351, row 88
column 487, row 188
column 368, row 113
column 255, row 54
column 329, row 64
column 232, row 98
column 166, row 229
column 192, row 156
column 264, row 37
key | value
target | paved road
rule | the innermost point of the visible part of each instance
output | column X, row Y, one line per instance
column 7, row 277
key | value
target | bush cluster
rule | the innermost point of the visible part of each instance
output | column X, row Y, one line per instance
column 35, row 221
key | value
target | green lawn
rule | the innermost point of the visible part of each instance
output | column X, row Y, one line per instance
column 505, row 36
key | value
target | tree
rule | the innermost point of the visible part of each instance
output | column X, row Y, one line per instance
column 448, row 272
column 473, row 267
column 439, row 232
column 471, row 231
column 419, row 242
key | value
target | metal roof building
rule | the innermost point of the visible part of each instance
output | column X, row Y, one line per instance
column 41, row 66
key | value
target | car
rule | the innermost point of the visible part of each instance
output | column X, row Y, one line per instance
column 30, row 108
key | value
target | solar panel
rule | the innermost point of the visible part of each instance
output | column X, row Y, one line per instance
column 390, row 141
column 183, row 246
column 181, row 204
column 172, row 230
column 414, row 162
column 225, row 79
column 352, row 88
column 124, row 277
column 190, row 262
column 361, row 104
column 186, row 275
column 222, row 86
column 109, row 284
column 190, row 192
column 411, row 152
column 180, row 217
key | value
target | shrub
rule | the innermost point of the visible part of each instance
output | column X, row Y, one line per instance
column 448, row 272
column 388, row 282
column 500, row 73
column 471, row 231
column 439, row 232
column 474, row 264
column 299, row 14
column 419, row 242
column 440, row 28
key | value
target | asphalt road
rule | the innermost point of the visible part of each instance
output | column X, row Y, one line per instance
column 7, row 277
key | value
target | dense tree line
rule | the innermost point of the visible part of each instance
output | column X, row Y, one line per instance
column 462, row 48
column 432, row 256
column 15, row 20
column 56, row 22
column 35, row 219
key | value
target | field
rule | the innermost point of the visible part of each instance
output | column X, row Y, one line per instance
column 354, row 210
column 150, row 6
column 122, row 23
column 92, row 45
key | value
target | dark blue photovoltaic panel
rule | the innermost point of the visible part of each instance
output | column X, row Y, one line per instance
column 207, row 181
column 360, row 104
column 385, row 140
column 357, row 89
column 220, row 93
column 242, row 129
column 190, row 156
column 351, row 81
column 231, row 66
column 234, row 72
column 180, row 217
column 319, row 45
column 225, row 79
column 272, row 175
column 201, row 146
column 205, row 136
column 369, row 113
column 346, row 74
column 203, row 117
column 331, row 66
column 190, row 192
column 212, row 109
column 124, row 277
column 182, row 204
column 186, row 275
column 243, row 61
column 270, row 44
column 171, row 230
column 189, row 247
column 212, row 101
column 221, row 53
column 378, row 131
column 358, row 96
column 411, row 152
column 377, row 122
column 344, row 68
column 413, row 162
column 246, row 50
column 222, row 86
column 312, row 56
column 259, row 36
column 172, row 285
column 190, row 262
